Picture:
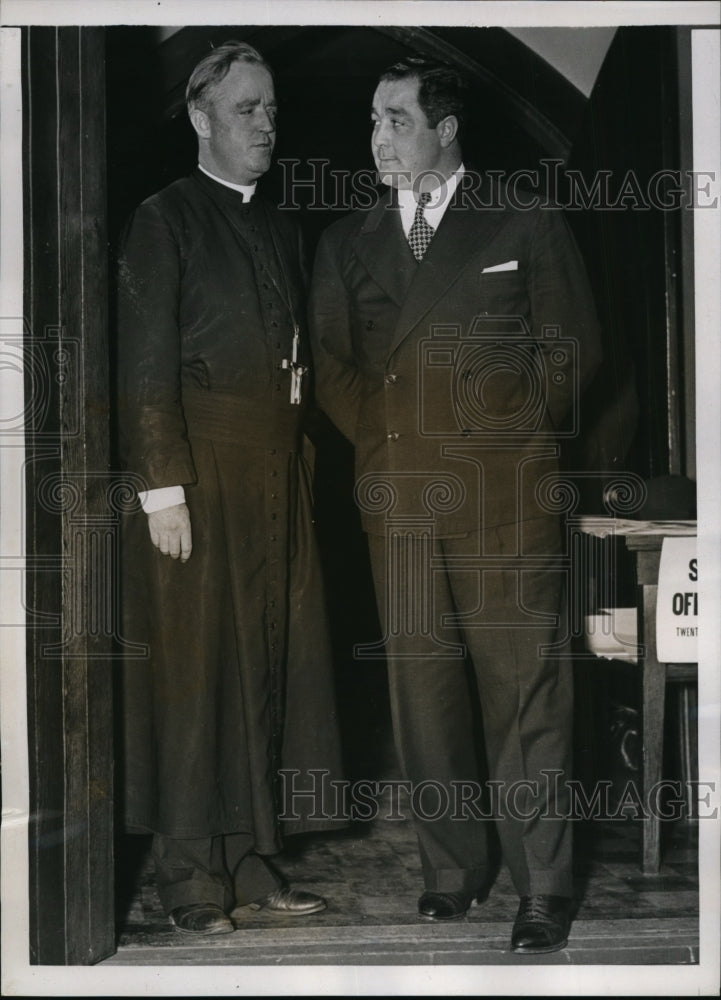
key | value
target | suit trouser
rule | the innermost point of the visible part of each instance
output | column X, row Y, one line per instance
column 223, row 870
column 526, row 701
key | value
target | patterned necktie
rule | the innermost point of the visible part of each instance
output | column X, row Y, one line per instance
column 420, row 233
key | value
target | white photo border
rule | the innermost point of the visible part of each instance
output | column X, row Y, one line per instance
column 20, row 978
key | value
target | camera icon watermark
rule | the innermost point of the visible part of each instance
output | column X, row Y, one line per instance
column 45, row 368
column 495, row 380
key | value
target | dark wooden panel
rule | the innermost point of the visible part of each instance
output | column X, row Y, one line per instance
column 633, row 257
column 44, row 586
column 69, row 662
column 687, row 318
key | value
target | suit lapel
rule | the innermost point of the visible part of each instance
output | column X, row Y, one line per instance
column 384, row 252
column 462, row 233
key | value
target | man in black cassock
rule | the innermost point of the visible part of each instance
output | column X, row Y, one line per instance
column 220, row 572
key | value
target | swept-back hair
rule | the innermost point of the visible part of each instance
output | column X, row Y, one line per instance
column 213, row 68
column 441, row 88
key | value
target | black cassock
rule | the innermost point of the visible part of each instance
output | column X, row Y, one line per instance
column 237, row 683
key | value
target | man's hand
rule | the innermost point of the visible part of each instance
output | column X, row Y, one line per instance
column 170, row 531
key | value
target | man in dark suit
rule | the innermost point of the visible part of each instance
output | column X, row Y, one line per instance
column 451, row 335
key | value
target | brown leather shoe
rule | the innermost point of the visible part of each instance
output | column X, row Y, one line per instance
column 201, row 918
column 289, row 902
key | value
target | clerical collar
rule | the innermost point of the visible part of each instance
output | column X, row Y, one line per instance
column 440, row 196
column 247, row 190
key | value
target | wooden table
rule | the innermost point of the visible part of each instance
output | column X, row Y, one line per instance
column 645, row 540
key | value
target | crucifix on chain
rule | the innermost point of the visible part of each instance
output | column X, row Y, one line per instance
column 296, row 371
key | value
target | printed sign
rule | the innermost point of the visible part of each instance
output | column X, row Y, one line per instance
column 677, row 607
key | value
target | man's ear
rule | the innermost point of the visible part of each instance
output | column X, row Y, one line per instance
column 447, row 130
column 200, row 122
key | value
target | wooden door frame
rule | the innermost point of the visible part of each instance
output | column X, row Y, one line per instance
column 71, row 506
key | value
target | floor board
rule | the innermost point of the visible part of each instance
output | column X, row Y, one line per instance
column 371, row 878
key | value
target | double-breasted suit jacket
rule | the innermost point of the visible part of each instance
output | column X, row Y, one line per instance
column 413, row 361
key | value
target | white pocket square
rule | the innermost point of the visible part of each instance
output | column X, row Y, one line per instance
column 510, row 265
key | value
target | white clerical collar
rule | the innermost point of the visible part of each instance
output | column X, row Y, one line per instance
column 247, row 190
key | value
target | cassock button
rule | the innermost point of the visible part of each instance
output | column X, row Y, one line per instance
column 370, row 324
column 391, row 379
column 393, row 436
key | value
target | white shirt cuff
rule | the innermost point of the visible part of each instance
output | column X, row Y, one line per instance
column 164, row 496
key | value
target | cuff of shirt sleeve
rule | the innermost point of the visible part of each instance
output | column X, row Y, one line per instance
column 165, row 496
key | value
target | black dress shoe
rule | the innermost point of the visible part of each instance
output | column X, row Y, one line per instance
column 201, row 918
column 289, row 902
column 444, row 905
column 541, row 925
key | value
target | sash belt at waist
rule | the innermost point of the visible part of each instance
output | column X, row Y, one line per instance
column 230, row 419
